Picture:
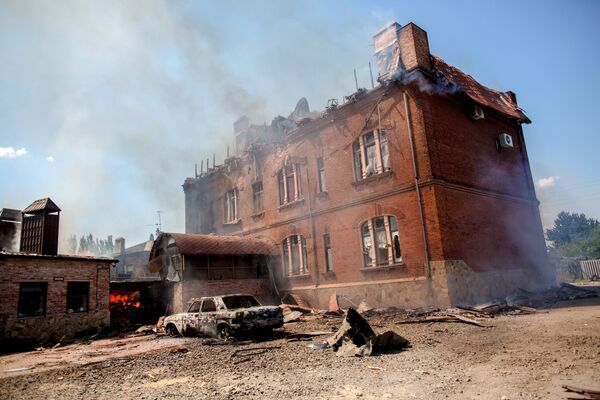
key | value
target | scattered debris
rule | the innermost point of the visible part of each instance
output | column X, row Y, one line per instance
column 373, row 368
column 20, row 369
column 446, row 317
column 363, row 307
column 318, row 346
column 146, row 329
column 252, row 351
column 179, row 349
column 588, row 393
column 355, row 337
column 291, row 316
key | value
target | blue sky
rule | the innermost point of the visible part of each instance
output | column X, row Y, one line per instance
column 106, row 105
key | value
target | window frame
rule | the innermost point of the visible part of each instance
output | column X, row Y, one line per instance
column 257, row 197
column 288, row 180
column 321, row 176
column 87, row 296
column 230, row 200
column 361, row 150
column 44, row 286
column 371, row 242
column 294, row 248
column 327, row 252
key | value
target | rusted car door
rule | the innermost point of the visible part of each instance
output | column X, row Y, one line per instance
column 207, row 321
column 190, row 319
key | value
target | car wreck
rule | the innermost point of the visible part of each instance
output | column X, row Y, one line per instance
column 223, row 317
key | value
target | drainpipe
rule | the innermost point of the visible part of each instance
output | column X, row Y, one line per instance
column 417, row 187
column 313, row 230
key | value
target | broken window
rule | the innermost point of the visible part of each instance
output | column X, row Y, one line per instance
column 230, row 206
column 321, row 176
column 294, row 255
column 257, row 196
column 328, row 255
column 195, row 307
column 78, row 294
column 208, row 306
column 380, row 241
column 288, row 180
column 32, row 299
column 371, row 154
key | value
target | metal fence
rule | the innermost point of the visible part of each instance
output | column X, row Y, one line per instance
column 590, row 269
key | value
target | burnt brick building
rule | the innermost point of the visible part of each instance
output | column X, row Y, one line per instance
column 415, row 192
column 45, row 295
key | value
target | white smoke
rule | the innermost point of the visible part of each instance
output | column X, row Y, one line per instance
column 546, row 183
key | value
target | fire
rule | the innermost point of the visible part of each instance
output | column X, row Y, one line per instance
column 131, row 299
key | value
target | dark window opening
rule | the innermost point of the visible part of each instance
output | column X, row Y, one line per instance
column 32, row 299
column 78, row 296
column 328, row 255
column 208, row 306
column 235, row 302
column 195, row 307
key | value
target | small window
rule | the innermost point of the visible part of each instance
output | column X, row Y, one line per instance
column 208, row 306
column 230, row 206
column 294, row 255
column 32, row 299
column 371, row 154
column 328, row 255
column 78, row 294
column 195, row 307
column 257, row 196
column 321, row 176
column 289, row 183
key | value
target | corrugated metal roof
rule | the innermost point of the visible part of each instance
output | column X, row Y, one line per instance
column 40, row 205
column 499, row 101
column 194, row 244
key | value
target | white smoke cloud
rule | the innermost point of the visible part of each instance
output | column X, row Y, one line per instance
column 50, row 159
column 546, row 183
column 10, row 152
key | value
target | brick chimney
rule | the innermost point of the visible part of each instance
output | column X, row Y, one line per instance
column 401, row 48
column 119, row 246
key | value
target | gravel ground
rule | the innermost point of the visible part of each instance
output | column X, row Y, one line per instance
column 517, row 357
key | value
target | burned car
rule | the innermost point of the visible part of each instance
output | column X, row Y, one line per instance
column 224, row 316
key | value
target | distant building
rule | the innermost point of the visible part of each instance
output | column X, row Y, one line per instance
column 132, row 262
column 45, row 295
column 415, row 192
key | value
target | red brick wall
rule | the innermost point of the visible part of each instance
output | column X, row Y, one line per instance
column 17, row 269
column 451, row 149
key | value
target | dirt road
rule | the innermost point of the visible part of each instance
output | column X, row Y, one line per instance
column 517, row 357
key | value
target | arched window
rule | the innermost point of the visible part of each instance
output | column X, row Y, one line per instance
column 288, row 179
column 380, row 241
column 294, row 255
column 371, row 154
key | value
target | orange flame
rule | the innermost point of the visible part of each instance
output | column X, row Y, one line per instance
column 131, row 299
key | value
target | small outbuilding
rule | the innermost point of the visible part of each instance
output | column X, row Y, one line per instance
column 193, row 265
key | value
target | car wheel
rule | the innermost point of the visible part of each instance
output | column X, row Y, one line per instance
column 224, row 332
column 172, row 330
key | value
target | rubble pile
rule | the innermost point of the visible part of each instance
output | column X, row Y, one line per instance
column 355, row 337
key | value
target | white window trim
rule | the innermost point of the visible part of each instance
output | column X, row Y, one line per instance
column 227, row 205
column 373, row 249
column 378, row 155
column 302, row 270
column 297, row 183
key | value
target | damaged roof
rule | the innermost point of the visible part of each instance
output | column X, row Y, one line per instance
column 40, row 205
column 499, row 101
column 195, row 244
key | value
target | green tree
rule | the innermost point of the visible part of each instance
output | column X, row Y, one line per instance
column 575, row 235
column 570, row 226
